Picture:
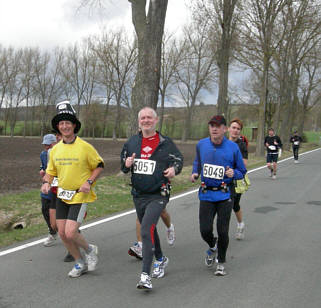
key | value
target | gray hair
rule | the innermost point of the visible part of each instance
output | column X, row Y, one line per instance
column 149, row 108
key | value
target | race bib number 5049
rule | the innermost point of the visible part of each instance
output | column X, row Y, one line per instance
column 213, row 171
column 144, row 166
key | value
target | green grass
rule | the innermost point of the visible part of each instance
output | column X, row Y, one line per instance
column 113, row 196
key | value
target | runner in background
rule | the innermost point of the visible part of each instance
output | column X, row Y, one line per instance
column 273, row 144
column 234, row 130
column 48, row 142
column 296, row 141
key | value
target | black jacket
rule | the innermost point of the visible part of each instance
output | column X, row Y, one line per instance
column 274, row 142
column 296, row 140
column 166, row 155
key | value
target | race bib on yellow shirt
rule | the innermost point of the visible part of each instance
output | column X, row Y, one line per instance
column 144, row 166
column 65, row 194
column 213, row 171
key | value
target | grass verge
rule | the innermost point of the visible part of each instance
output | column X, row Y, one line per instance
column 113, row 196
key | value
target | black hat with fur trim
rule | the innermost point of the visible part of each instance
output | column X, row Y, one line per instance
column 65, row 112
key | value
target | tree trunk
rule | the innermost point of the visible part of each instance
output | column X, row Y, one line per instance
column 161, row 113
column 222, row 101
column 262, row 110
column 149, row 30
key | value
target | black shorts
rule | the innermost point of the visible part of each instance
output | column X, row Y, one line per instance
column 272, row 158
column 76, row 212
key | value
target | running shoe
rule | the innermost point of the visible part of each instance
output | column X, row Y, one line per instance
column 171, row 235
column 50, row 240
column 69, row 258
column 296, row 161
column 240, row 231
column 220, row 270
column 92, row 258
column 77, row 270
column 274, row 177
column 136, row 251
column 144, row 282
column 159, row 268
column 210, row 256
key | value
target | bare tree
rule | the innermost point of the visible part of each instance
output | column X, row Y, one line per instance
column 76, row 69
column 115, row 49
column 47, row 86
column 148, row 19
column 171, row 57
column 195, row 72
column 258, row 46
column 222, row 16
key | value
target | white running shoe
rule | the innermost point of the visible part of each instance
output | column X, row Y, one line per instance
column 240, row 231
column 159, row 268
column 144, row 282
column 274, row 177
column 220, row 270
column 296, row 161
column 171, row 235
column 92, row 258
column 50, row 240
column 77, row 270
column 136, row 251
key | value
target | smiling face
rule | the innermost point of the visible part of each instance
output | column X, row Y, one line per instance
column 234, row 131
column 216, row 132
column 66, row 128
column 147, row 121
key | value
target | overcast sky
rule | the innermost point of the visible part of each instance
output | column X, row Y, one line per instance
column 50, row 23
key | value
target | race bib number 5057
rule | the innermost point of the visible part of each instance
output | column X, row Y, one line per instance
column 213, row 171
column 144, row 166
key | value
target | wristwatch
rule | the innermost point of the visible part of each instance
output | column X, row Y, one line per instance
column 90, row 182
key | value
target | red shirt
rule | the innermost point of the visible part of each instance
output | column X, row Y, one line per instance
column 149, row 145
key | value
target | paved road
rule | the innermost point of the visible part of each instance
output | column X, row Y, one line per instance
column 277, row 265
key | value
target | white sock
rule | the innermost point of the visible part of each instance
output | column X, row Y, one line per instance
column 241, row 224
column 140, row 244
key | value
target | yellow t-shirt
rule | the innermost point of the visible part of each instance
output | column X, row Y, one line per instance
column 73, row 165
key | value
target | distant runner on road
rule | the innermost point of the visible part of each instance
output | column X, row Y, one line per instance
column 273, row 144
column 218, row 161
column 153, row 160
column 77, row 165
column 296, row 141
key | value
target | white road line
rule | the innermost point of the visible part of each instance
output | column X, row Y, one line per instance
column 11, row 250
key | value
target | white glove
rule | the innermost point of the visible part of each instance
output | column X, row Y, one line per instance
column 280, row 153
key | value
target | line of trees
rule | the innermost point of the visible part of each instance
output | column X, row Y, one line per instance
column 278, row 41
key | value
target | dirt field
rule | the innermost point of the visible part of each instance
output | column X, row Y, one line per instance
column 20, row 160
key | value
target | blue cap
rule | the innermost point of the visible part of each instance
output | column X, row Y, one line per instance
column 49, row 139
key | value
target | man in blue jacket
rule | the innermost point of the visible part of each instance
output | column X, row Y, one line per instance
column 218, row 161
